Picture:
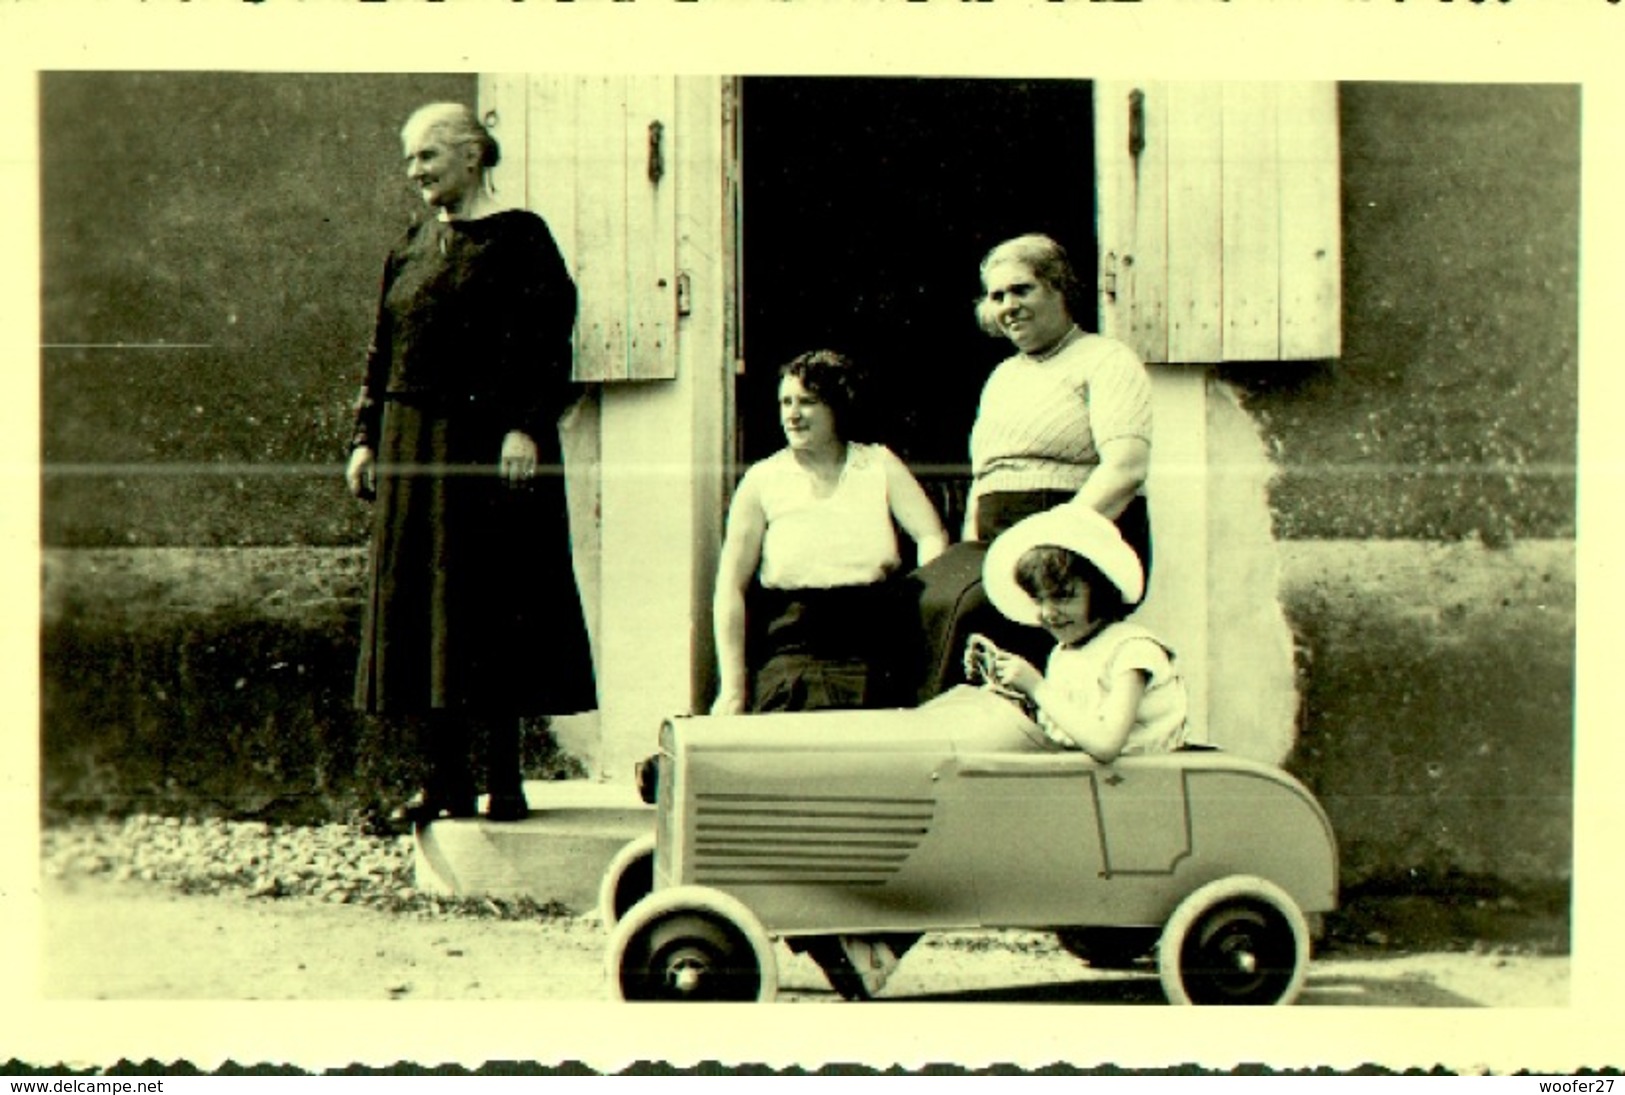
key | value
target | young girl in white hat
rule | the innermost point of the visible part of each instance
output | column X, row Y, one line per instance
column 1111, row 687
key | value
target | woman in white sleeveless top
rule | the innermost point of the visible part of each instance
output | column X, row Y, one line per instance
column 811, row 546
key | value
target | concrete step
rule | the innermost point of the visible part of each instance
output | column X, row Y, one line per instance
column 557, row 854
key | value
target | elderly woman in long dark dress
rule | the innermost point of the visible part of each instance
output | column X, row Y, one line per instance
column 472, row 619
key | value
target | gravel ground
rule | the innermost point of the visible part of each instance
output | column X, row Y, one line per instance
column 155, row 912
column 338, row 864
column 346, row 865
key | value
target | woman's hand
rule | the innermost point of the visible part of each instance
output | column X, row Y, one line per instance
column 729, row 701
column 517, row 465
column 361, row 474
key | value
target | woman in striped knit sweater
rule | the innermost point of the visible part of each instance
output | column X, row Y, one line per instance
column 1064, row 420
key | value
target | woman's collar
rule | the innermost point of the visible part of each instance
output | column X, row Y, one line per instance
column 1072, row 334
column 480, row 206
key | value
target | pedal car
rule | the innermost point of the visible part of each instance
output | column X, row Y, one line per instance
column 961, row 814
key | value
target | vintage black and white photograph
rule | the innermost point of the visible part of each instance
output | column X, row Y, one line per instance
column 928, row 545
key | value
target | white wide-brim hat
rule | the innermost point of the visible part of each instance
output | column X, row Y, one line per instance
column 1074, row 526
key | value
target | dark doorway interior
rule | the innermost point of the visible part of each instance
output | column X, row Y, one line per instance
column 868, row 203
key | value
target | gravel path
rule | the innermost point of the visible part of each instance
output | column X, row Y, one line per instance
column 339, row 864
column 154, row 912
column 345, row 865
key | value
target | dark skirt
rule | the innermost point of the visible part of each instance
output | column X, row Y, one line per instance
column 816, row 649
column 998, row 511
column 472, row 602
column 953, row 605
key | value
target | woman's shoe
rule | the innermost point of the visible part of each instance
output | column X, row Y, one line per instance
column 423, row 808
column 507, row 807
column 646, row 775
column 857, row 966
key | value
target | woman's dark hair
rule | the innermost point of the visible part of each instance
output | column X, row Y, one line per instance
column 1047, row 570
column 1049, row 263
column 839, row 382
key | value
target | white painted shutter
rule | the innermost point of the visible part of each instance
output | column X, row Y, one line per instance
column 594, row 155
column 1219, row 220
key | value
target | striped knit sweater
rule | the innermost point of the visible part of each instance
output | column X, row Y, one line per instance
column 1041, row 422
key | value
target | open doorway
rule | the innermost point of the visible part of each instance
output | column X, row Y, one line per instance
column 867, row 205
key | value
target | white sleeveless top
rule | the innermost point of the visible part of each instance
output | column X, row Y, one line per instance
column 844, row 539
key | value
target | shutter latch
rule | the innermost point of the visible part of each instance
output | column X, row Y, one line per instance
column 657, row 158
column 1136, row 123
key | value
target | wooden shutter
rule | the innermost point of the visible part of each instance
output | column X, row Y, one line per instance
column 1219, row 220
column 594, row 155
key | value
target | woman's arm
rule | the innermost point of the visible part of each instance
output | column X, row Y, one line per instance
column 912, row 508
column 533, row 309
column 361, row 473
column 1124, row 463
column 737, row 566
column 1117, row 397
column 967, row 530
column 1100, row 734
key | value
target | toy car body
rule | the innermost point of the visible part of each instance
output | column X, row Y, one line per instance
column 961, row 814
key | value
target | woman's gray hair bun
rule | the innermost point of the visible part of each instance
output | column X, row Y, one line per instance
column 457, row 124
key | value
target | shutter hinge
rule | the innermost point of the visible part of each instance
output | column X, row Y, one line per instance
column 685, row 295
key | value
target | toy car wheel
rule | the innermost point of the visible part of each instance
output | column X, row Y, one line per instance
column 1108, row 948
column 628, row 879
column 1237, row 940
column 691, row 943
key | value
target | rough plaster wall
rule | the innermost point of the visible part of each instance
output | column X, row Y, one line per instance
column 1252, row 692
column 580, row 434
column 205, row 318
column 1438, row 724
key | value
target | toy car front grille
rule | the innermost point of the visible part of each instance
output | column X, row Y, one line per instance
column 744, row 840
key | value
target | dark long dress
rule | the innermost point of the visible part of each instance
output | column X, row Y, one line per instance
column 472, row 603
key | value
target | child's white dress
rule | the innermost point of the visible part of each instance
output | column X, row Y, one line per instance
column 1083, row 673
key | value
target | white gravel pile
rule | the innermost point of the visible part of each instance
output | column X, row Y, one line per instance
column 336, row 863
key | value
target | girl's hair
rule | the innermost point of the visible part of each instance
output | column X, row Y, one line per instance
column 1047, row 570
column 839, row 382
column 456, row 124
column 1049, row 263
